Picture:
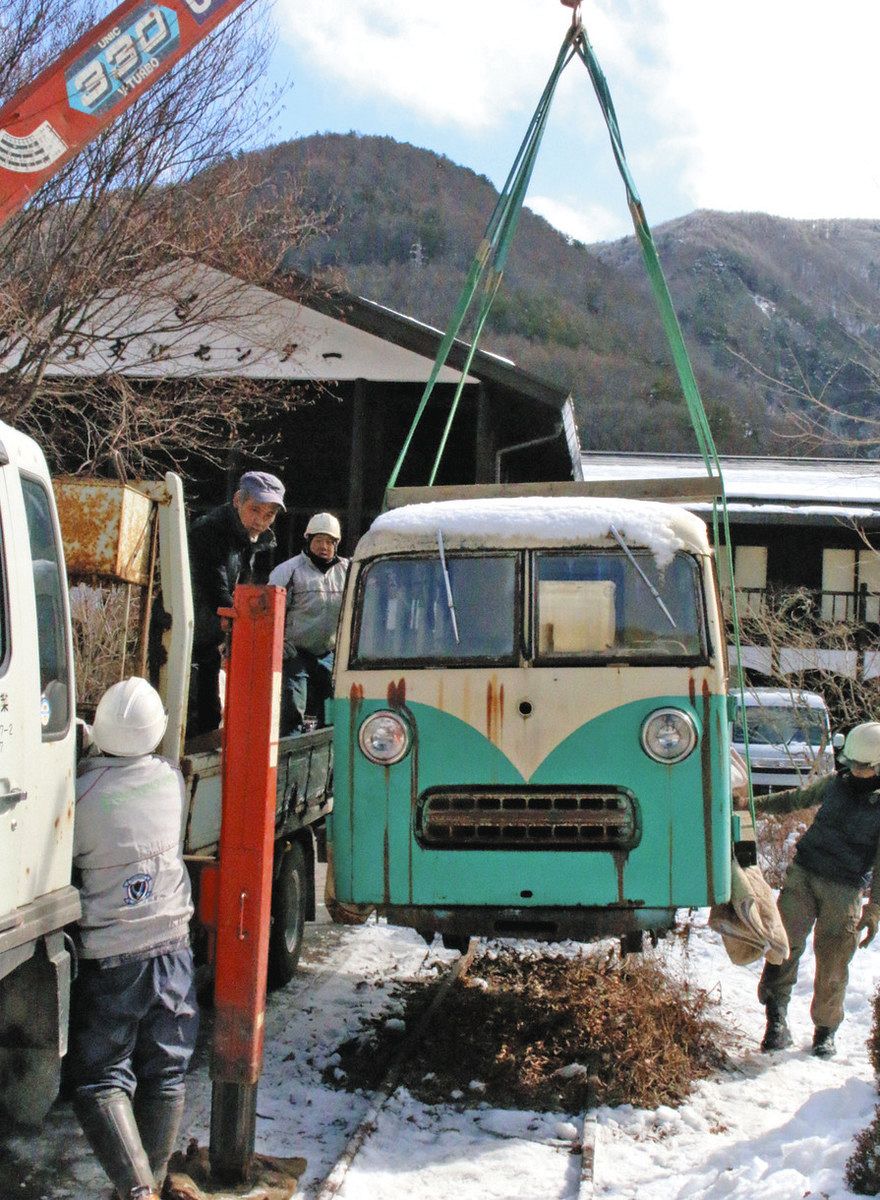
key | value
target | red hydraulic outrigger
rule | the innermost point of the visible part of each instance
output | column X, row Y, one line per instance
column 88, row 86
column 236, row 895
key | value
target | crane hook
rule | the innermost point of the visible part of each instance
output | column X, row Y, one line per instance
column 575, row 6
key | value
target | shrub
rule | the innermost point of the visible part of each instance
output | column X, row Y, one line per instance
column 552, row 1032
column 778, row 834
column 862, row 1173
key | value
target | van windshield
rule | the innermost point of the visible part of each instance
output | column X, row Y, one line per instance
column 616, row 604
column 782, row 726
column 404, row 612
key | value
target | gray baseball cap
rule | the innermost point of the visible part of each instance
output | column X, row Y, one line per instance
column 262, row 487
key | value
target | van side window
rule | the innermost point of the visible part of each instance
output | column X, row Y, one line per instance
column 55, row 699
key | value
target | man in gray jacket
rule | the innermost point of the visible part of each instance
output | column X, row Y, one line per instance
column 314, row 580
column 835, row 860
column 135, row 1017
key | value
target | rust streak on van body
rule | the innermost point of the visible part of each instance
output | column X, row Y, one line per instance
column 356, row 697
column 494, row 710
column 706, row 744
column 620, row 857
column 397, row 693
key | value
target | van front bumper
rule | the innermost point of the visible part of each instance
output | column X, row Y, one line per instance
column 541, row 924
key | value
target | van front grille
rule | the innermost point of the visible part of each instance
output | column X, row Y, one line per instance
column 490, row 818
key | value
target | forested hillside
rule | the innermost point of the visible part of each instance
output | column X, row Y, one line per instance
column 769, row 307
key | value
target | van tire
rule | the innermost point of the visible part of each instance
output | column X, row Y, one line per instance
column 289, row 898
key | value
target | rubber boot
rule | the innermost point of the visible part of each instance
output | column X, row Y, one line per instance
column 158, row 1116
column 777, row 1035
column 823, row 1042
column 108, row 1122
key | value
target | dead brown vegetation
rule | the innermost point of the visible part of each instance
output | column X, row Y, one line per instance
column 778, row 835
column 106, row 627
column 863, row 1166
column 552, row 1033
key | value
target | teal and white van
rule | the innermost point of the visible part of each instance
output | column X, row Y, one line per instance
column 531, row 719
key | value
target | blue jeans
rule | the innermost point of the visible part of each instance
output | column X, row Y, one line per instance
column 134, row 1024
column 305, row 678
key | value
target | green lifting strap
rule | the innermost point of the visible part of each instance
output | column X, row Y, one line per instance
column 489, row 261
column 488, row 266
column 689, row 386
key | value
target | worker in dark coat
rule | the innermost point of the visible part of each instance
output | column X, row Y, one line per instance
column 823, row 889
column 231, row 544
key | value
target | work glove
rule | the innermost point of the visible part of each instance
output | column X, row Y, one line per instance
column 869, row 922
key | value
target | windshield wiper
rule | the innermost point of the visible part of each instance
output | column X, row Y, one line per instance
column 449, row 600
column 629, row 554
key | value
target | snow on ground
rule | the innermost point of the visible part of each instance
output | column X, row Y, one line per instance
column 778, row 1127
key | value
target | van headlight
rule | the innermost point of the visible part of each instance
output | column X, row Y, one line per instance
column 384, row 738
column 668, row 735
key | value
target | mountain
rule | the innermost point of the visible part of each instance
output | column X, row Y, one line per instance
column 767, row 305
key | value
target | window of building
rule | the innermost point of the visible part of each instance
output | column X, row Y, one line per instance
column 869, row 577
column 838, row 585
column 750, row 573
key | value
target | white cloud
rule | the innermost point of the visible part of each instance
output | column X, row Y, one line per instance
column 729, row 104
column 774, row 104
column 468, row 62
column 583, row 222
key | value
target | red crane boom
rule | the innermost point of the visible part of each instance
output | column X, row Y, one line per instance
column 90, row 84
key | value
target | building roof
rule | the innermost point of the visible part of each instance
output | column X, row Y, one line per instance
column 189, row 320
column 194, row 320
column 817, row 490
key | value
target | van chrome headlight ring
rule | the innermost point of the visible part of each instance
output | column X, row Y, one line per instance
column 384, row 738
column 668, row 735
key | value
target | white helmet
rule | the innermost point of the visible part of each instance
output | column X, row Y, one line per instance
column 324, row 523
column 862, row 745
column 130, row 719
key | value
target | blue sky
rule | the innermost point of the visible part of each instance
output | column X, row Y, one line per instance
column 758, row 105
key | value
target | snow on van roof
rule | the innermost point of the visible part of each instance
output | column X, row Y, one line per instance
column 536, row 521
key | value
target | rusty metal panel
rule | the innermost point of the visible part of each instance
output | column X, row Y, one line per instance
column 105, row 526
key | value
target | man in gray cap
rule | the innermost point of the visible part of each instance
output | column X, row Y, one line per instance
column 231, row 544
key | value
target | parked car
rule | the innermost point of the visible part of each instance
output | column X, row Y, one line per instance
column 789, row 737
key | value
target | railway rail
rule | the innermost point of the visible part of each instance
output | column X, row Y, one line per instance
column 336, row 1177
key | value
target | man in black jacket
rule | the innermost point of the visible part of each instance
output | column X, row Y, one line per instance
column 231, row 544
column 833, row 864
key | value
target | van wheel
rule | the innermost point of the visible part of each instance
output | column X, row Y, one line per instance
column 454, row 941
column 288, row 917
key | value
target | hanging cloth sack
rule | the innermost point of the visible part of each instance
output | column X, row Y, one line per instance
column 749, row 923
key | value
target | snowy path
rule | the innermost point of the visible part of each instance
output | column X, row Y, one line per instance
column 779, row 1127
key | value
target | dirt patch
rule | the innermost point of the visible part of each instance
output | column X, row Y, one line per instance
column 548, row 1033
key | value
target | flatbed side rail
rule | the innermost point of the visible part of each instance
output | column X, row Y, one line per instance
column 676, row 489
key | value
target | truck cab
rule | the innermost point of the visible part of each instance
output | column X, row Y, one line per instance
column 37, row 765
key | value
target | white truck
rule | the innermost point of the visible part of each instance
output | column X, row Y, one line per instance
column 135, row 534
column 789, row 736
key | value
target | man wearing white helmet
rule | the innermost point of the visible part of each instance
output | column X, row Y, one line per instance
column 314, row 580
column 135, row 1018
column 834, row 862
